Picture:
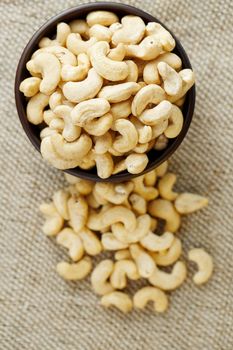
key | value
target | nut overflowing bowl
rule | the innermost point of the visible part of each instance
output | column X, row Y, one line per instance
column 104, row 83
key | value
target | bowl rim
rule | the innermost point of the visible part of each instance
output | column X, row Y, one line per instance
column 77, row 11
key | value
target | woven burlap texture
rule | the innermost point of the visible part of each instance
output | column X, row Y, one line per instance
column 38, row 310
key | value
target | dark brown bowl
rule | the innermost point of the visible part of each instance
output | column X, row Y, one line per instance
column 49, row 29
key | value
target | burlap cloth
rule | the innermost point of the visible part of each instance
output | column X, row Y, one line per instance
column 38, row 310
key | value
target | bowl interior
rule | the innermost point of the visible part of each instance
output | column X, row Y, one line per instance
column 49, row 29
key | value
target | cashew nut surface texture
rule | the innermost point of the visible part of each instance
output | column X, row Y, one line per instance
column 118, row 299
column 131, row 31
column 75, row 271
column 164, row 209
column 144, row 262
column 187, row 203
column 205, row 265
column 169, row 256
column 147, row 294
column 71, row 241
column 121, row 270
column 169, row 281
column 100, row 276
column 54, row 221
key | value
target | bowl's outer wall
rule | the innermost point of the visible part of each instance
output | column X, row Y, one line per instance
column 49, row 29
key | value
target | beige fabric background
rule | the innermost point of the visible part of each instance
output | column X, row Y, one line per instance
column 40, row 311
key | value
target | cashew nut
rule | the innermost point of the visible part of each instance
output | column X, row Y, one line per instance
column 119, row 167
column 65, row 56
column 165, row 186
column 146, row 294
column 115, row 194
column 78, row 212
column 35, row 108
column 100, row 275
column 100, row 126
column 144, row 131
column 148, row 49
column 123, row 254
column 147, row 192
column 118, row 299
column 149, row 94
column 105, row 18
column 128, row 135
column 104, row 165
column 150, row 178
column 138, row 203
column 160, row 33
column 172, row 81
column 162, row 169
column 188, row 79
column 187, row 203
column 133, row 71
column 30, row 86
column 160, row 128
column 63, row 30
column 141, row 147
column 136, row 163
column 117, row 53
column 161, row 143
column 100, row 32
column 91, row 242
column 169, row 281
column 170, row 256
column 86, row 111
column 60, row 199
column 157, row 114
column 57, row 124
column 47, row 132
column 123, row 269
column 68, row 239
column 70, row 132
column 79, row 26
column 103, row 143
column 88, row 161
column 75, row 271
column 48, row 116
column 205, row 265
column 119, row 92
column 110, row 242
column 53, row 220
column 164, row 209
column 106, row 67
column 131, row 31
column 74, row 73
column 84, row 187
column 144, row 262
column 77, row 45
column 155, row 243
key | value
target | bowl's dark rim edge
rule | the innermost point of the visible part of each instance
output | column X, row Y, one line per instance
column 108, row 6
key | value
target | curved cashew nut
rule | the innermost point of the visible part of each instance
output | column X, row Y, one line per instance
column 106, row 67
column 119, row 92
column 188, row 79
column 100, row 32
column 103, row 143
column 117, row 53
column 84, row 90
column 121, row 110
column 165, row 186
column 86, row 111
column 47, row 132
column 162, row 169
column 150, row 71
column 116, row 194
column 144, row 131
column 88, row 161
column 148, row 49
column 76, row 271
column 175, row 121
column 60, row 199
column 160, row 128
column 48, row 116
column 79, row 26
column 169, row 257
column 49, row 67
column 146, row 294
column 150, row 178
column 56, row 99
column 123, row 254
column 104, row 165
column 164, row 209
column 149, row 94
column 91, row 242
column 141, row 148
column 131, row 31
column 132, row 235
column 157, row 114
column 105, row 18
column 123, row 269
column 136, row 163
column 159, row 32
column 78, row 212
column 74, row 73
column 155, row 243
column 161, row 143
column 119, row 166
column 30, row 86
column 100, row 126
column 35, row 108
column 169, row 281
column 53, row 220
column 147, row 192
column 128, row 138
column 70, row 132
column 77, row 45
column 110, row 242
column 138, row 203
column 65, row 56
column 172, row 81
column 71, row 150
column 133, row 71
column 63, row 30
column 57, row 124
column 205, row 265
column 187, row 203
column 144, row 262
column 118, row 299
column 48, row 153
column 68, row 239
column 100, row 275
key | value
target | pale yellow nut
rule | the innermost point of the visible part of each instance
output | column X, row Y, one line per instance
column 119, row 92
column 56, row 99
column 205, row 265
column 68, row 239
column 110, row 242
column 30, row 86
column 47, row 132
column 141, row 148
column 115, row 194
column 119, row 167
column 63, row 30
column 147, row 294
column 100, row 32
column 79, row 26
column 86, row 111
column 133, row 71
column 169, row 256
column 144, row 131
column 48, row 116
column 148, row 49
column 175, row 123
column 188, row 80
column 92, row 202
column 172, row 82
column 144, row 262
column 162, row 169
column 104, row 165
column 100, row 276
column 147, row 192
column 165, row 187
column 151, row 93
column 83, row 186
column 60, row 199
column 136, row 163
column 119, row 300
column 91, row 242
column 123, row 269
column 35, row 108
column 99, row 126
column 138, row 203
column 128, row 138
column 155, row 243
column 160, row 128
column 165, row 210
column 169, row 281
column 131, row 31
column 187, row 203
column 150, row 178
column 117, row 53
column 75, row 271
column 70, row 132
column 161, row 143
column 77, row 45
column 103, row 143
column 64, row 56
column 160, row 33
column 53, row 220
column 78, row 212
column 106, row 67
column 88, row 162
column 57, row 124
column 123, row 254
column 76, row 73
column 156, row 114
column 105, row 18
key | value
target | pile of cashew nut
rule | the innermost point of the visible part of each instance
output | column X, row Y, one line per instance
column 123, row 219
column 105, row 91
